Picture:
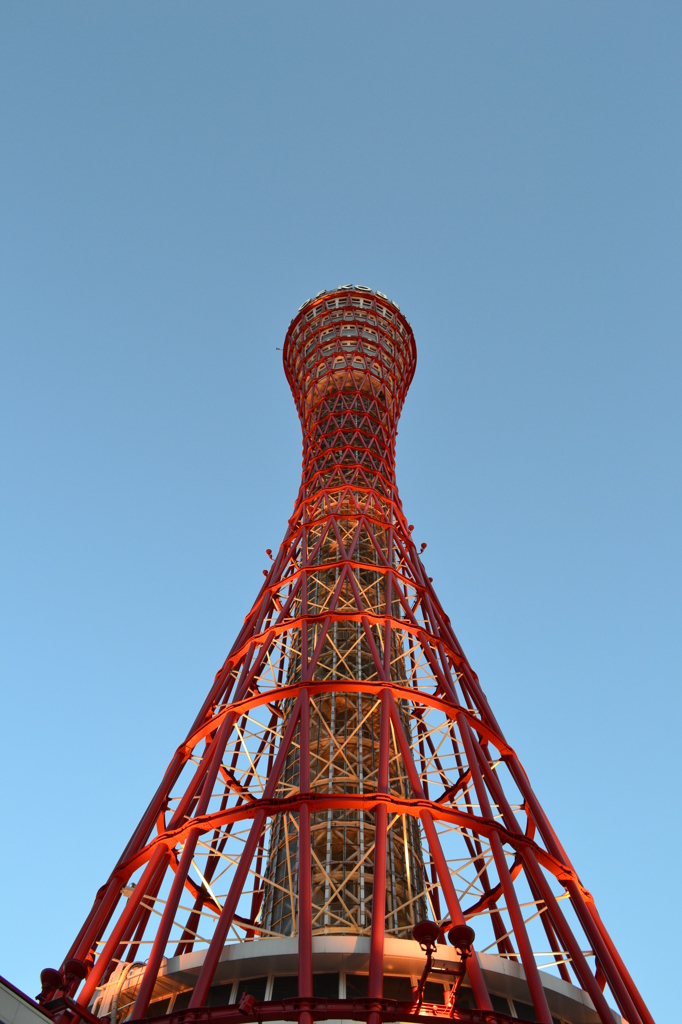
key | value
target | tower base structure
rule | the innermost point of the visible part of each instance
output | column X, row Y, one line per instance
column 267, row 971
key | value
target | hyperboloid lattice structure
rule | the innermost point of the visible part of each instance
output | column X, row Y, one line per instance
column 345, row 778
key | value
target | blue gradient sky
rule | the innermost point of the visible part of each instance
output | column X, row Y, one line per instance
column 175, row 180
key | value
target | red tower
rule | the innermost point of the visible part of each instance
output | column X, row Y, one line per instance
column 345, row 799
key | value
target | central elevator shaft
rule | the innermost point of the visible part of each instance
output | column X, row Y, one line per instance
column 349, row 443
column 344, row 758
column 344, row 741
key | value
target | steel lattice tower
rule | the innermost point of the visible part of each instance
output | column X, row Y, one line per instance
column 344, row 760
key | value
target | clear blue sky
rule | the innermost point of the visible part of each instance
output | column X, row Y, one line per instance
column 175, row 180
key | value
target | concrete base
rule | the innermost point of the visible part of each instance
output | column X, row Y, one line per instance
column 346, row 956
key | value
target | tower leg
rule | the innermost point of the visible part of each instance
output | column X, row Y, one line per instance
column 305, row 925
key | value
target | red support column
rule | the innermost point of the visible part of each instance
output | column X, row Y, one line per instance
column 530, row 967
column 478, row 984
column 305, row 924
column 152, row 969
column 620, row 966
column 535, row 872
column 215, row 948
column 582, row 968
column 615, row 980
column 124, row 920
column 97, row 920
column 376, row 952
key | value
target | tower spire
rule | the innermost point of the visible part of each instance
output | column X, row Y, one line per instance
column 345, row 780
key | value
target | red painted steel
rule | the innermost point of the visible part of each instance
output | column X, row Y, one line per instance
column 346, row 757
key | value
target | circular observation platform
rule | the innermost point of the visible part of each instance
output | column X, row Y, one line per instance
column 349, row 339
column 266, row 970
